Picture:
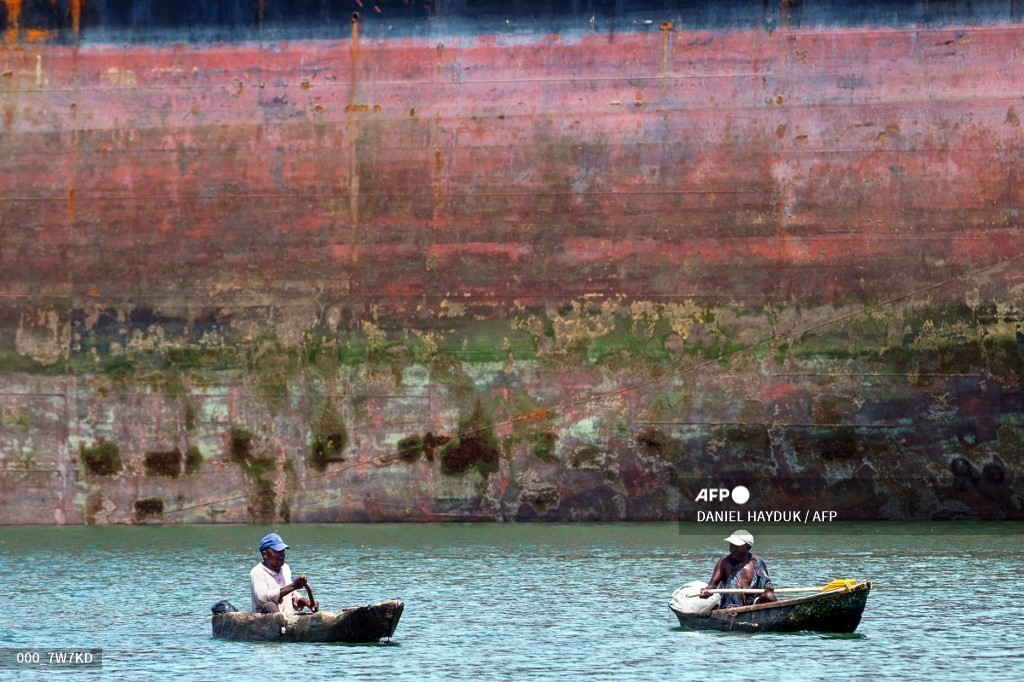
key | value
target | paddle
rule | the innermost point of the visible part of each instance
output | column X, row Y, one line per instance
column 839, row 584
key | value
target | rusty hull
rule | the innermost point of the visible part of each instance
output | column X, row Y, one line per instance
column 523, row 275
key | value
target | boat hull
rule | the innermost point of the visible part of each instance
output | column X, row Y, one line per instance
column 834, row 611
column 361, row 624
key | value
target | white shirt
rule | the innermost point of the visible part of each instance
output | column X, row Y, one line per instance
column 265, row 585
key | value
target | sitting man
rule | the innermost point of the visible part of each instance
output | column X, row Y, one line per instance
column 271, row 584
column 741, row 569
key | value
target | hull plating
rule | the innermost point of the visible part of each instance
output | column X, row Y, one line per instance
column 524, row 275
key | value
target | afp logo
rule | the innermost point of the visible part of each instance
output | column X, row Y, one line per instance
column 739, row 495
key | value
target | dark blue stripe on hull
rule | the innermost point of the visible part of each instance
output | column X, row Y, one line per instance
column 241, row 20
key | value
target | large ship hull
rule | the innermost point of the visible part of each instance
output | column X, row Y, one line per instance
column 562, row 268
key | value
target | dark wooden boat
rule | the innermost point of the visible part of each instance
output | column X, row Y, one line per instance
column 833, row 611
column 355, row 625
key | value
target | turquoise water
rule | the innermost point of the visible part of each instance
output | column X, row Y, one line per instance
column 517, row 601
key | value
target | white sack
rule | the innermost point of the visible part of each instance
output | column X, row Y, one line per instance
column 694, row 606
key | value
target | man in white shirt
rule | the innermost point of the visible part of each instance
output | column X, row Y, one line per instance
column 271, row 584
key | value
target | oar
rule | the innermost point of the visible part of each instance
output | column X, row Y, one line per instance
column 841, row 584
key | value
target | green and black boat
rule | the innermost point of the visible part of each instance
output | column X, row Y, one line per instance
column 836, row 610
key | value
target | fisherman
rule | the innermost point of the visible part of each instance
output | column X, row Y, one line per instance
column 271, row 584
column 741, row 569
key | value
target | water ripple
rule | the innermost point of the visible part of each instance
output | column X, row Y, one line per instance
column 514, row 601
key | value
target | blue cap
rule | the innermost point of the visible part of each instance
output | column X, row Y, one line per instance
column 273, row 541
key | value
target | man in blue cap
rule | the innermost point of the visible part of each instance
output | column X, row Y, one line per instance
column 271, row 584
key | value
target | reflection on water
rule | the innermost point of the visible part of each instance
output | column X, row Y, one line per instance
column 518, row 601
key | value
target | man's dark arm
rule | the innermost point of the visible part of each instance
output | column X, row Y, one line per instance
column 718, row 575
column 716, row 579
column 769, row 590
column 296, row 584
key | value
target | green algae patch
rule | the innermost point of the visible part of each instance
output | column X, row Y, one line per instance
column 240, row 445
column 616, row 350
column 475, row 448
column 543, row 446
column 1004, row 353
column 168, row 463
column 193, row 460
column 190, row 417
column 165, row 463
column 241, row 452
column 119, row 367
column 262, row 502
column 482, row 341
column 170, row 384
column 202, row 358
column 326, row 449
column 147, row 509
column 410, row 449
column 657, row 445
column 896, row 359
column 329, row 439
column 12, row 362
column 432, row 443
column 102, row 459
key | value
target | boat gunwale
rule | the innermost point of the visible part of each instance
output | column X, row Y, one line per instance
column 730, row 612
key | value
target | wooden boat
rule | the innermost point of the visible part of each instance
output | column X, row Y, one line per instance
column 836, row 610
column 359, row 624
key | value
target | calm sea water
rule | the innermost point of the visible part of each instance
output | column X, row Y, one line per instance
column 516, row 601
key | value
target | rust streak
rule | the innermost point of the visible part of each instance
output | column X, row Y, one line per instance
column 353, row 166
column 13, row 11
column 76, row 15
column 535, row 414
column 666, row 32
